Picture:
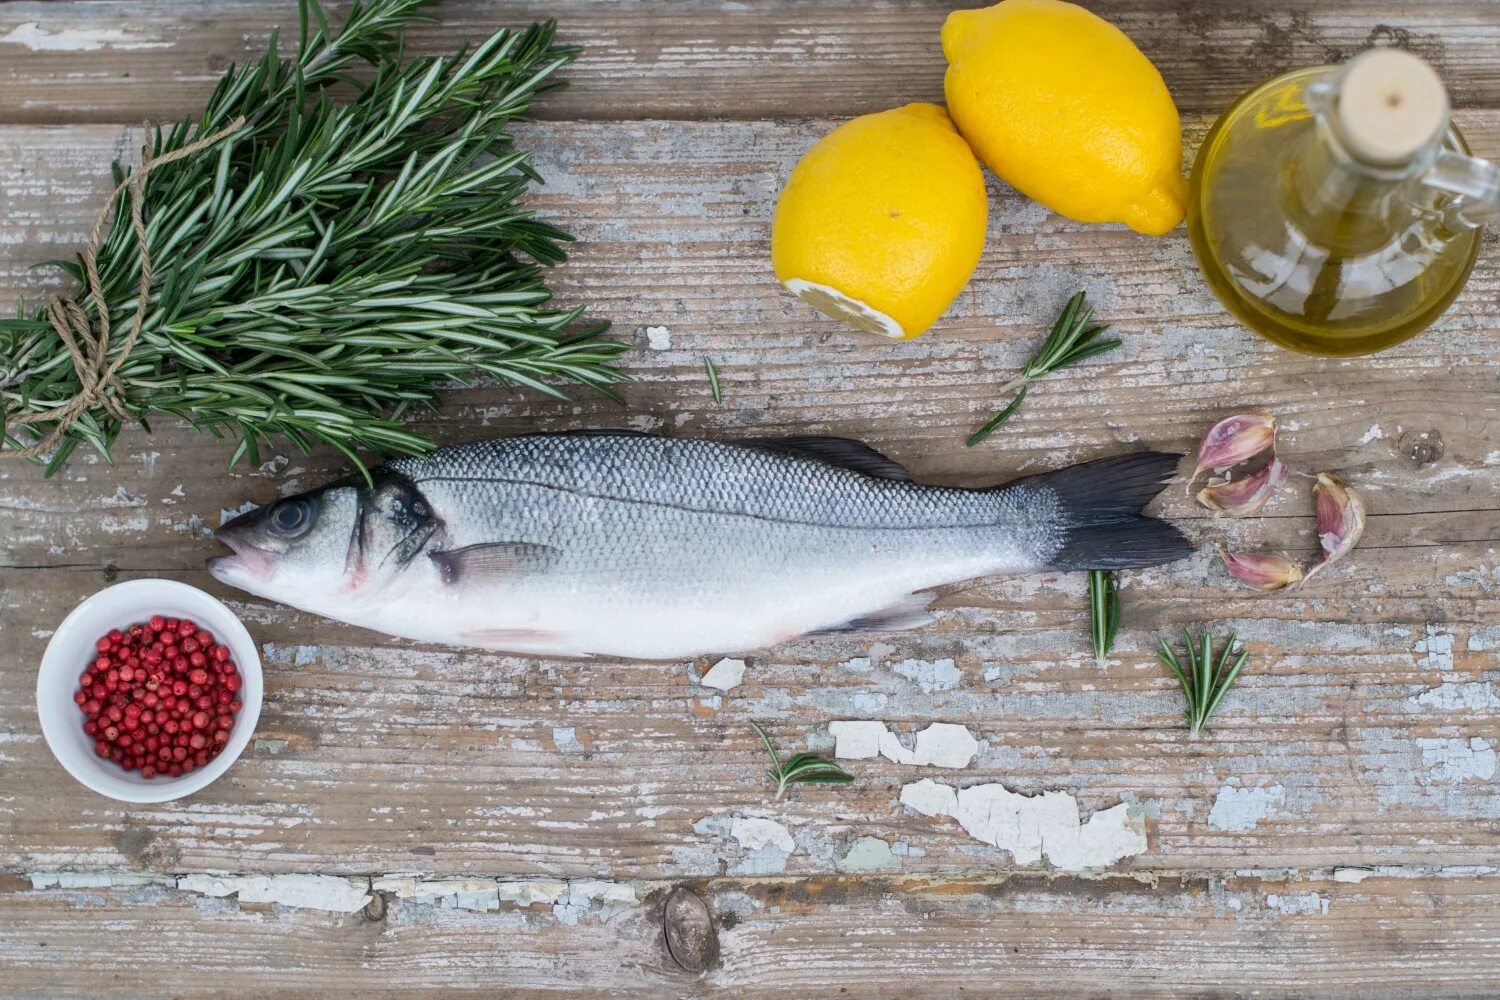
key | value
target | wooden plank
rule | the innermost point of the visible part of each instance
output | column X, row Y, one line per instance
column 1366, row 724
column 673, row 220
column 123, row 61
column 1363, row 735
column 1297, row 934
column 1355, row 741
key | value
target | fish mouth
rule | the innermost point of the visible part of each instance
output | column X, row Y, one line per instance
column 248, row 563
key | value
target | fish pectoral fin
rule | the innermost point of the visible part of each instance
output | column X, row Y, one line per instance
column 909, row 612
column 509, row 638
column 493, row 560
column 846, row 453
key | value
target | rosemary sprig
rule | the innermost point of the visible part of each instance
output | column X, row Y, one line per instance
column 1104, row 612
column 1205, row 679
column 713, row 381
column 808, row 768
column 322, row 271
column 1072, row 340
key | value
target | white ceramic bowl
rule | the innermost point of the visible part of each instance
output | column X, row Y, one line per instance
column 72, row 649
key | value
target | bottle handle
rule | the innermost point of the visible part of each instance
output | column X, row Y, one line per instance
column 1474, row 185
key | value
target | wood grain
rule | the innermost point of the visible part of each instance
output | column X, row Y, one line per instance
column 119, row 61
column 395, row 754
column 1363, row 735
column 1287, row 934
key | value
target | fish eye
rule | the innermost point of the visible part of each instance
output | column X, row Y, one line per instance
column 291, row 518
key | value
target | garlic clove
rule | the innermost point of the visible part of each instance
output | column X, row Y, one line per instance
column 1243, row 497
column 1341, row 519
column 1261, row 570
column 1234, row 440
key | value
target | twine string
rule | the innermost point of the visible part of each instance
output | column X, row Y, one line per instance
column 88, row 344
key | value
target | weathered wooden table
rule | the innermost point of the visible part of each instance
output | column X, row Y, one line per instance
column 415, row 819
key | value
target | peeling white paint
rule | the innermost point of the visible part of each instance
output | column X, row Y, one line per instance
column 659, row 338
column 724, row 675
column 1437, row 648
column 1297, row 904
column 313, row 892
column 755, row 832
column 570, row 901
column 1485, row 637
column 1481, row 576
column 1360, row 873
column 1031, row 826
column 583, row 897
column 941, row 744
column 1475, row 696
column 764, row 843
column 1373, row 434
column 869, row 854
column 931, row 675
column 122, row 498
column 451, row 893
column 530, row 892
column 1453, row 761
column 225, row 515
column 565, row 738
column 32, row 36
column 97, row 880
column 1237, row 810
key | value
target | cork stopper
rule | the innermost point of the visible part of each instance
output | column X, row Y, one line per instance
column 1391, row 105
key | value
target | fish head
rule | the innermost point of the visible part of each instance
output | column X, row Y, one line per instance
column 296, row 550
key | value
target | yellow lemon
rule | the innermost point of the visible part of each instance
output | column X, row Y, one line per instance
column 881, row 223
column 1062, row 105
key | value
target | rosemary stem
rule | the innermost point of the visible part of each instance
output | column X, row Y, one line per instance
column 1070, row 341
column 1014, row 383
column 1205, row 679
column 1104, row 613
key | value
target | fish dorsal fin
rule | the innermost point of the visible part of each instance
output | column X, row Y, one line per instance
column 846, row 453
column 493, row 560
column 594, row 432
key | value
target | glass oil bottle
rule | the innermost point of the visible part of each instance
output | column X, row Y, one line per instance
column 1336, row 210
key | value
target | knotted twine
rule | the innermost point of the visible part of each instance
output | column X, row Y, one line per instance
column 98, row 380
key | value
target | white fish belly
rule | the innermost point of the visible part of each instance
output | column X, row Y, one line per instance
column 653, row 582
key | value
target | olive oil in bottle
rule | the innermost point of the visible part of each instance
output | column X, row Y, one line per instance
column 1335, row 210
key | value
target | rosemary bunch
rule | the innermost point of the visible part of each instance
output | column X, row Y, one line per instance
column 323, row 267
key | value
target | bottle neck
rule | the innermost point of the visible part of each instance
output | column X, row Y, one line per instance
column 1342, row 202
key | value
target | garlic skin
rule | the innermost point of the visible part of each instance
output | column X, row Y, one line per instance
column 1243, row 497
column 1234, row 440
column 1261, row 570
column 1341, row 519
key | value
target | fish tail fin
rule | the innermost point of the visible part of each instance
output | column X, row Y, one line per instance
column 1101, row 504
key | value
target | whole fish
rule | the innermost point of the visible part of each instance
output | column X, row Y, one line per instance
column 621, row 544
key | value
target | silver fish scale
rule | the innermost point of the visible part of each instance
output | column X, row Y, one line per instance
column 722, row 478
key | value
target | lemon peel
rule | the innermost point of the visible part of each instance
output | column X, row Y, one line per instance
column 881, row 223
column 1062, row 105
